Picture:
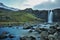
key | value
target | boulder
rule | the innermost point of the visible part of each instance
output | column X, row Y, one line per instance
column 11, row 36
column 3, row 36
column 27, row 27
column 43, row 35
column 27, row 38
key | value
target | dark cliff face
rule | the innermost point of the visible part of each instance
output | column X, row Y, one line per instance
column 56, row 16
column 43, row 14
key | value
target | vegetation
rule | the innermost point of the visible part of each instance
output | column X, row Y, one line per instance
column 10, row 17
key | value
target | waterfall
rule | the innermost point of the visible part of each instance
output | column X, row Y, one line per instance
column 50, row 16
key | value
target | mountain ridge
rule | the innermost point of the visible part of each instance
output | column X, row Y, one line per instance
column 8, row 8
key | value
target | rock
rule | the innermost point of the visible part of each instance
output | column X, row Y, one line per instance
column 58, row 29
column 43, row 35
column 11, row 36
column 23, row 38
column 10, row 26
column 30, row 31
column 3, row 36
column 52, row 30
column 27, row 38
column 57, row 36
column 51, row 37
column 5, row 32
column 56, row 25
column 32, row 38
column 56, row 15
column 53, row 27
column 38, row 30
column 27, row 27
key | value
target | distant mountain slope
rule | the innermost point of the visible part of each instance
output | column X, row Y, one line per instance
column 2, row 6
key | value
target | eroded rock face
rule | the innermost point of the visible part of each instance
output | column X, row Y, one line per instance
column 56, row 16
column 43, row 14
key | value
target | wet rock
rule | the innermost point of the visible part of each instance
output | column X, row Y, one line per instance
column 11, row 36
column 53, row 27
column 10, row 26
column 57, row 36
column 58, row 29
column 3, row 36
column 35, row 25
column 27, row 38
column 32, row 38
column 43, row 35
column 52, row 30
column 27, row 27
column 23, row 38
column 51, row 37
column 44, row 29
column 56, row 25
column 5, row 32
column 38, row 30
column 30, row 31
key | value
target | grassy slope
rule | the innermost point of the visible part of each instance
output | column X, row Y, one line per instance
column 18, row 16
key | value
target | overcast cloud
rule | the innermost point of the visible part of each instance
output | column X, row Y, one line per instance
column 35, row 4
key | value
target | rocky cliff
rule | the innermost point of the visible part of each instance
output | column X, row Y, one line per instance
column 43, row 14
column 56, row 16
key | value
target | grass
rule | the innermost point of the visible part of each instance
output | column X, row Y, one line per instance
column 17, row 17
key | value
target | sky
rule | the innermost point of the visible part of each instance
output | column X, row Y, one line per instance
column 34, row 4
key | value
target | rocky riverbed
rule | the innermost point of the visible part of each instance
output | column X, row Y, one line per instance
column 36, row 32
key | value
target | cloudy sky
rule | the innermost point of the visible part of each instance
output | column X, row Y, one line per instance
column 35, row 4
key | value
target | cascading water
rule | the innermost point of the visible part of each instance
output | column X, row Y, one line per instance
column 50, row 20
column 50, row 16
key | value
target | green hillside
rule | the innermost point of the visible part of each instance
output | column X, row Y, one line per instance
column 11, row 16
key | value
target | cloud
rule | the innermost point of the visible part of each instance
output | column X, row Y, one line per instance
column 48, row 5
column 31, row 3
column 35, row 4
column 13, row 3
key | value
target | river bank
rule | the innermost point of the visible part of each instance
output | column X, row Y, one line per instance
column 7, row 24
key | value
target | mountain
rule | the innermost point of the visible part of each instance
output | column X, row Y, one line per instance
column 8, row 14
column 2, row 6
